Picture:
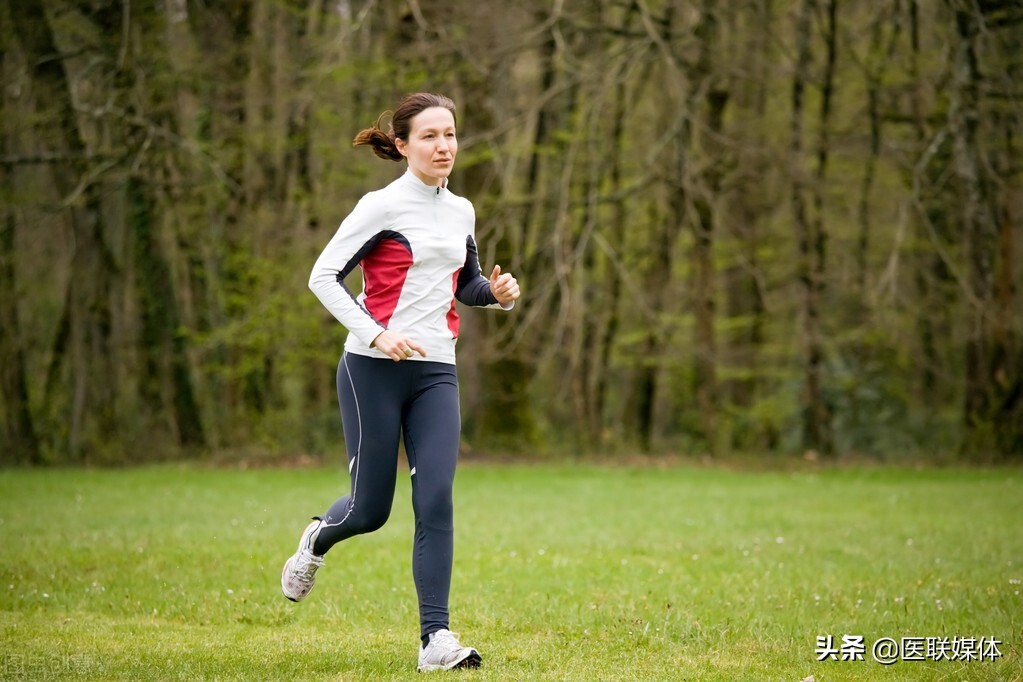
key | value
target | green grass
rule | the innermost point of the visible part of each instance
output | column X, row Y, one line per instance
column 561, row 573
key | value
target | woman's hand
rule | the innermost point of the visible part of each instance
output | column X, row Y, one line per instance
column 504, row 287
column 396, row 345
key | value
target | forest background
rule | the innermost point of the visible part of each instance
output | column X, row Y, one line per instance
column 768, row 227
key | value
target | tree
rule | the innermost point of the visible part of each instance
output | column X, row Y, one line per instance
column 80, row 375
column 810, row 231
column 992, row 370
column 19, row 429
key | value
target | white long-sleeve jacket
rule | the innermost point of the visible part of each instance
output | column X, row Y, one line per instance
column 415, row 244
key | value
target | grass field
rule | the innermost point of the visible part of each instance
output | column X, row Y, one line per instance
column 561, row 573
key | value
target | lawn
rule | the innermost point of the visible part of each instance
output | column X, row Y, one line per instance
column 562, row 572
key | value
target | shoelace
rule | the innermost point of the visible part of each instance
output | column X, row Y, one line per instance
column 447, row 639
column 304, row 566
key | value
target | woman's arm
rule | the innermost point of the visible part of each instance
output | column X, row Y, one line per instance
column 356, row 236
column 474, row 289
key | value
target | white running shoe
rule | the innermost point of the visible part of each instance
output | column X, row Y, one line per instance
column 299, row 574
column 444, row 653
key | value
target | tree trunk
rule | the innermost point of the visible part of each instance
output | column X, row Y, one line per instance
column 992, row 390
column 21, row 442
column 710, row 97
column 89, row 379
column 875, row 63
column 602, row 385
column 166, row 370
column 928, row 270
column 810, row 240
column 746, row 203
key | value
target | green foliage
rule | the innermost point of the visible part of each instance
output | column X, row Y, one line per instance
column 637, row 167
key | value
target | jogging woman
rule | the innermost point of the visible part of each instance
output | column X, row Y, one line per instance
column 414, row 241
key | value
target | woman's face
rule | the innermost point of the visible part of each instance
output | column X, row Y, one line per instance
column 431, row 146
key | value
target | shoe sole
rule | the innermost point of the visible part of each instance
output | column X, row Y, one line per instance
column 473, row 661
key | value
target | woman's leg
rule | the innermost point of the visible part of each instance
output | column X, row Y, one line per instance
column 371, row 392
column 431, row 428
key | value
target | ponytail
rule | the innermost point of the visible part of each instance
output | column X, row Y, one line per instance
column 382, row 143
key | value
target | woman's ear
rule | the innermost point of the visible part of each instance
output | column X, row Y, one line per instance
column 399, row 144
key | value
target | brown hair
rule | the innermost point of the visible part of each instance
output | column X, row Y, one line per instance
column 400, row 125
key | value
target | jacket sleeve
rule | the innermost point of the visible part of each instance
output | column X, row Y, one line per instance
column 472, row 288
column 356, row 237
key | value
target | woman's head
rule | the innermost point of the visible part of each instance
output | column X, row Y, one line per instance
column 421, row 130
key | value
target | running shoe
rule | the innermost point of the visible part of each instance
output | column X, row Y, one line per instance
column 444, row 652
column 299, row 574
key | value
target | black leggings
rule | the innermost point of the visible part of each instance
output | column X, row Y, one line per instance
column 380, row 401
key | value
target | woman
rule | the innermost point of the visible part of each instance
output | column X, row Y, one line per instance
column 414, row 241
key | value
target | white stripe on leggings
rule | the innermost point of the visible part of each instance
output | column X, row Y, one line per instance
column 358, row 448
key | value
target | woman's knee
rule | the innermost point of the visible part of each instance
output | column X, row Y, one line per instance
column 368, row 520
column 435, row 510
